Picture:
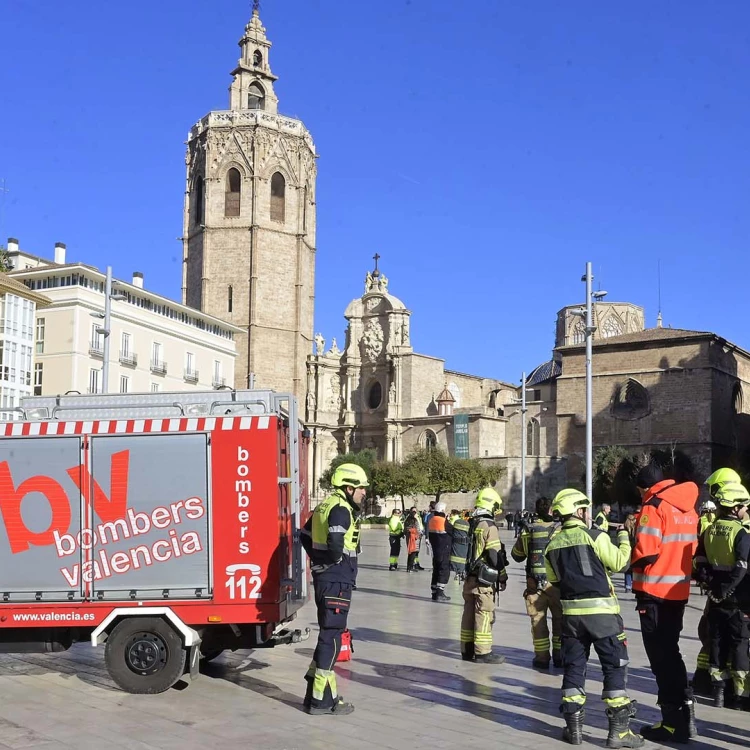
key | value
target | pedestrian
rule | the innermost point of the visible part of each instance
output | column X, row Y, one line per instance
column 578, row 561
column 701, row 683
column 395, row 534
column 426, row 521
column 509, row 521
column 662, row 560
column 331, row 539
column 721, row 561
column 485, row 577
column 601, row 520
column 420, row 527
column 517, row 523
column 440, row 542
column 630, row 527
column 540, row 595
column 458, row 529
column 411, row 532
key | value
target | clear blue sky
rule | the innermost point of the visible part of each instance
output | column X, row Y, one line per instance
column 485, row 149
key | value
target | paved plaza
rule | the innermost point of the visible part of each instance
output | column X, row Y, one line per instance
column 407, row 681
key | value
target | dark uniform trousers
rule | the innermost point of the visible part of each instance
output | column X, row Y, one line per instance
column 661, row 625
column 728, row 629
column 579, row 634
column 332, row 599
column 395, row 542
column 441, row 560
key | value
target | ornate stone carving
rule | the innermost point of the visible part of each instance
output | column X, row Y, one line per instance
column 373, row 304
column 334, row 399
column 405, row 332
column 320, row 344
column 334, row 350
column 392, row 393
column 372, row 340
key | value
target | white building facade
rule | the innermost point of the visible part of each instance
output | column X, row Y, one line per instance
column 18, row 306
column 156, row 344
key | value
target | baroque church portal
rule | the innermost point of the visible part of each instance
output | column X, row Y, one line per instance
column 249, row 223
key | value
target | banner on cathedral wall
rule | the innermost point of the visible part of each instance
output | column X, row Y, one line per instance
column 461, row 435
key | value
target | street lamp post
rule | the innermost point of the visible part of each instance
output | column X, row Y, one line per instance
column 106, row 329
column 523, row 442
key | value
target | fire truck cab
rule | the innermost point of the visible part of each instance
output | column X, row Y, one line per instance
column 163, row 525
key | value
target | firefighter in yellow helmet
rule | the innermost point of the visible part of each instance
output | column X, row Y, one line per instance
column 485, row 576
column 722, row 559
column 701, row 682
column 331, row 539
column 578, row 561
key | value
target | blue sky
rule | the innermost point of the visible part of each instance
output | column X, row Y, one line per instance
column 485, row 149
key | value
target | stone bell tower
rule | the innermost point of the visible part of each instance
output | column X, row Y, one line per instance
column 249, row 223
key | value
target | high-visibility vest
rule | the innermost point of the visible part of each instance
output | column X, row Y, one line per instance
column 436, row 524
column 395, row 525
column 720, row 542
column 320, row 527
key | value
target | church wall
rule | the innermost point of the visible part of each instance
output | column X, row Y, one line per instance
column 422, row 379
column 487, row 437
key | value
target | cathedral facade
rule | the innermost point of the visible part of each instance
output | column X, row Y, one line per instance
column 249, row 223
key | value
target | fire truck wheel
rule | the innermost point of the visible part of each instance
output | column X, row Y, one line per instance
column 144, row 655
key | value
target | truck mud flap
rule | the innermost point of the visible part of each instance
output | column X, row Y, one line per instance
column 192, row 662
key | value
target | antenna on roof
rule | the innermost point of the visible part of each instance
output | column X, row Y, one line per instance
column 659, row 319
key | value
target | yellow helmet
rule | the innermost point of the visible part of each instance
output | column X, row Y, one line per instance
column 719, row 478
column 732, row 494
column 349, row 475
column 488, row 499
column 567, row 502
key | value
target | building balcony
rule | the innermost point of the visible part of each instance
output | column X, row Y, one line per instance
column 191, row 376
column 158, row 367
column 219, row 382
column 129, row 358
column 96, row 349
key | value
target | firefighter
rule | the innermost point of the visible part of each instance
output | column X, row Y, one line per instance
column 665, row 542
column 331, row 539
column 540, row 595
column 440, row 542
column 578, row 561
column 722, row 559
column 395, row 534
column 701, row 682
column 485, row 576
column 458, row 528
column 707, row 517
column 601, row 521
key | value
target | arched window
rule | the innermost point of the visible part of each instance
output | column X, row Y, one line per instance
column 257, row 58
column 199, row 200
column 630, row 400
column 278, row 197
column 256, row 97
column 579, row 332
column 375, row 395
column 612, row 327
column 428, row 440
column 233, row 193
column 532, row 438
column 737, row 399
column 230, row 298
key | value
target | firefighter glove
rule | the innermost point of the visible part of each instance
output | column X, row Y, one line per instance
column 715, row 599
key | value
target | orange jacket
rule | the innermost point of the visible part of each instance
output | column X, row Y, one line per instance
column 665, row 541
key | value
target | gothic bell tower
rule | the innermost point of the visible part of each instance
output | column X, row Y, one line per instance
column 249, row 223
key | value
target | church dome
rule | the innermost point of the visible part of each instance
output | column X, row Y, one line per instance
column 445, row 396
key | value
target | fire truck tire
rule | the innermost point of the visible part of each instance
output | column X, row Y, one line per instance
column 144, row 655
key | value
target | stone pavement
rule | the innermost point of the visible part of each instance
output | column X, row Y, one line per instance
column 409, row 685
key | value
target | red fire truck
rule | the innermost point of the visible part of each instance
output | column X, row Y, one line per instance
column 164, row 525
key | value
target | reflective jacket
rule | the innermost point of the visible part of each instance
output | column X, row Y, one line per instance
column 485, row 546
column 704, row 522
column 665, row 541
column 396, row 526
column 331, row 539
column 601, row 522
column 531, row 545
column 723, row 553
column 578, row 560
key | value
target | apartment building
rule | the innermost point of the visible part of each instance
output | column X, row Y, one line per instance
column 18, row 370
column 155, row 343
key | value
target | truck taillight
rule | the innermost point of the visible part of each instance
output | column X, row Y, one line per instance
column 214, row 618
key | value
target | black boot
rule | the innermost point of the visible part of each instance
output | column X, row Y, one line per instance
column 557, row 659
column 467, row 652
column 701, row 683
column 438, row 595
column 620, row 734
column 718, row 695
column 673, row 726
column 688, row 709
column 573, row 732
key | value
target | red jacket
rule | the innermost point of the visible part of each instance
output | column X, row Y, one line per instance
column 665, row 541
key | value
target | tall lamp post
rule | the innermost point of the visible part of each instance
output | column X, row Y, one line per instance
column 106, row 329
column 589, row 330
column 523, row 442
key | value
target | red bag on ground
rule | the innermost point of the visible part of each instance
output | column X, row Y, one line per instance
column 345, row 654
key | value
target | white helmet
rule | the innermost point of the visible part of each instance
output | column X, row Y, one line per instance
column 708, row 506
column 440, row 508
